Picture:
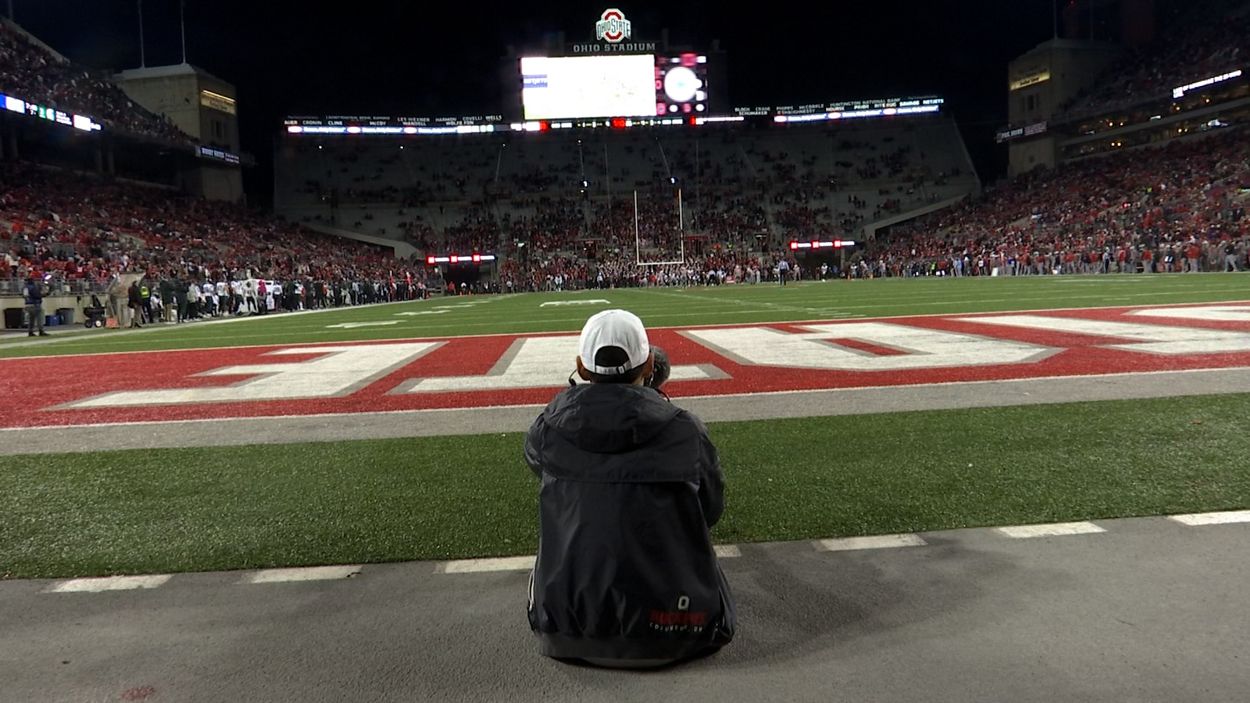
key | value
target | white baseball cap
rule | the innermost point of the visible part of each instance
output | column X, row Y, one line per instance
column 614, row 328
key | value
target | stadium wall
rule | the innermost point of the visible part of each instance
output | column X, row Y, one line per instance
column 201, row 106
column 403, row 250
column 1026, row 156
column 183, row 94
column 1044, row 78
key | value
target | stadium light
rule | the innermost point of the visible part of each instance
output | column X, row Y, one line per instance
column 459, row 259
column 1179, row 91
column 834, row 244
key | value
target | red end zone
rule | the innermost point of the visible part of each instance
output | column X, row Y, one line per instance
column 466, row 372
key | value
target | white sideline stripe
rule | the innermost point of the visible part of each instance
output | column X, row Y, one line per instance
column 471, row 566
column 1055, row 529
column 305, row 573
column 1224, row 518
column 848, row 544
column 109, row 583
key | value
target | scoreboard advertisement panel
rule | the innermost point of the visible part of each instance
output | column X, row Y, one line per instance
column 623, row 85
column 555, row 88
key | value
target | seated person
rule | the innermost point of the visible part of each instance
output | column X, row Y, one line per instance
column 626, row 575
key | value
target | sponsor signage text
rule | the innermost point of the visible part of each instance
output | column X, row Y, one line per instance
column 1030, row 79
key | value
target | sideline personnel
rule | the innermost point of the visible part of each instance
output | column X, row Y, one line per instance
column 626, row 575
column 34, row 307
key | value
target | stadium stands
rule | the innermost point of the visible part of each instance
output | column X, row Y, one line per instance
column 580, row 208
column 1179, row 207
column 36, row 74
column 82, row 230
column 1197, row 40
column 486, row 191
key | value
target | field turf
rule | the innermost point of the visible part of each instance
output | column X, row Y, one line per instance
column 451, row 497
column 664, row 307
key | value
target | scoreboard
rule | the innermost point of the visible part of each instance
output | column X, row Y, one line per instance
column 614, row 85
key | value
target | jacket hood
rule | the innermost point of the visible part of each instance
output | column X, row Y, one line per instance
column 609, row 418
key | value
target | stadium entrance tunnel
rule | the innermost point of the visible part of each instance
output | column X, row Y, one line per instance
column 469, row 273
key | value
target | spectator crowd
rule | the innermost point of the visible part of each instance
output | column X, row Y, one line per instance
column 631, row 208
column 32, row 73
column 1178, row 208
column 1197, row 40
column 86, row 233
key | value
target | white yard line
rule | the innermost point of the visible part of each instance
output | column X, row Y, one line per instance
column 1057, row 529
column 724, row 551
column 307, row 573
column 77, row 335
column 472, row 566
column 851, row 544
column 525, row 563
column 760, row 305
column 1221, row 518
column 108, row 583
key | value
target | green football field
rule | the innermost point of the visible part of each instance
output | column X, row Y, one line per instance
column 663, row 307
column 205, row 508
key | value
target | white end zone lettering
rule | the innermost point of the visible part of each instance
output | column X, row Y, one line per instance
column 342, row 370
column 538, row 362
column 925, row 348
column 1151, row 339
column 770, row 358
column 1211, row 313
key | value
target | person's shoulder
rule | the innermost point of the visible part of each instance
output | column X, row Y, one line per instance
column 686, row 423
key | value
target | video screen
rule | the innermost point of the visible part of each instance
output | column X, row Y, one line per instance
column 630, row 85
column 554, row 88
column 681, row 84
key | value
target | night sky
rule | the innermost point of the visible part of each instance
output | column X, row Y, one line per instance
column 394, row 57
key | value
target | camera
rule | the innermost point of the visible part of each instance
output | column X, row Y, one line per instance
column 660, row 368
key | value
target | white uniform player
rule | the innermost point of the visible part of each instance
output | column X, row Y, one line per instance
column 236, row 287
column 210, row 297
column 193, row 301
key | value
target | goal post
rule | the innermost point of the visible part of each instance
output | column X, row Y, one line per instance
column 681, row 238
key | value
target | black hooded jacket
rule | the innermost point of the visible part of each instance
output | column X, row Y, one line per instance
column 631, row 485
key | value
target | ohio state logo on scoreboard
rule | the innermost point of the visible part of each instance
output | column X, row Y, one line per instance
column 612, row 26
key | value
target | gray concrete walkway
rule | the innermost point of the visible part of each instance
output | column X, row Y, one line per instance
column 1147, row 610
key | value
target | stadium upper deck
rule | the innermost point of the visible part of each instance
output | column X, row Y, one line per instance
column 32, row 72
column 1200, row 40
column 800, row 179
